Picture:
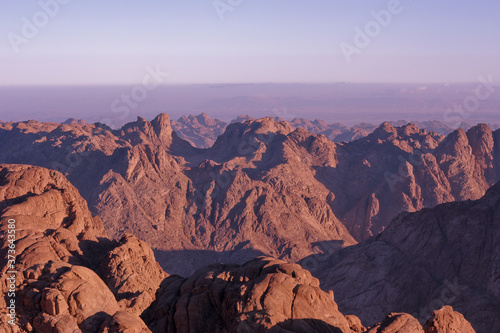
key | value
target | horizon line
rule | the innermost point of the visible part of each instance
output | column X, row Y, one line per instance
column 235, row 84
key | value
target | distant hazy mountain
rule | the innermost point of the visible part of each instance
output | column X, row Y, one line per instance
column 202, row 131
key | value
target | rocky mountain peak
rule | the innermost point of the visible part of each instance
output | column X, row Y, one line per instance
column 156, row 132
column 481, row 134
column 250, row 136
column 269, row 125
column 74, row 121
column 162, row 128
column 385, row 130
column 205, row 119
column 410, row 129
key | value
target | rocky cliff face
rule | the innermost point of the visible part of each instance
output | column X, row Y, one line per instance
column 422, row 261
column 59, row 252
column 264, row 187
column 269, row 295
column 69, row 277
column 261, row 295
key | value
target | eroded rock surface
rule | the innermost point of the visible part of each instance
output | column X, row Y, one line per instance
column 58, row 248
column 132, row 273
column 263, row 294
column 447, row 320
column 448, row 255
column 263, row 188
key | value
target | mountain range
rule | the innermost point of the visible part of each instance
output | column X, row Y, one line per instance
column 263, row 188
column 70, row 277
column 202, row 131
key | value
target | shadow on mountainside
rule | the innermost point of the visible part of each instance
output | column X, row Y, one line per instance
column 186, row 262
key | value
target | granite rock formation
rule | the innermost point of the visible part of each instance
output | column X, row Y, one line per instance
column 71, row 278
column 264, row 187
column 447, row 255
column 57, row 252
column 269, row 295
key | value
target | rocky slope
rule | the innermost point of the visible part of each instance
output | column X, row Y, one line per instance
column 63, row 261
column 446, row 255
column 262, row 188
column 69, row 277
column 269, row 295
column 146, row 180
column 263, row 294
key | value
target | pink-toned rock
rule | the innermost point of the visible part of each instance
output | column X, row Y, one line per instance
column 448, row 255
column 58, row 243
column 132, row 273
column 123, row 322
column 54, row 303
column 56, row 324
column 355, row 324
column 263, row 294
column 445, row 320
column 397, row 323
column 235, row 200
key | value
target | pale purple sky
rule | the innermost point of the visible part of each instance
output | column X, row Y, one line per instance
column 113, row 42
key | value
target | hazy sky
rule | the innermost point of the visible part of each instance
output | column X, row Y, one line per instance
column 114, row 41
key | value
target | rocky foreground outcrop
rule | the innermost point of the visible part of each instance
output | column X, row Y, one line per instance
column 263, row 188
column 263, row 294
column 269, row 295
column 442, row 320
column 447, row 320
column 446, row 255
column 68, row 276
